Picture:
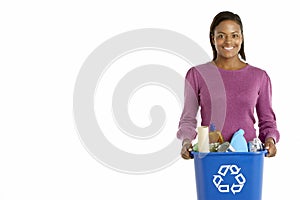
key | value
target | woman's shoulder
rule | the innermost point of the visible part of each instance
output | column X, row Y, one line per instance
column 198, row 68
column 259, row 73
column 203, row 65
column 256, row 69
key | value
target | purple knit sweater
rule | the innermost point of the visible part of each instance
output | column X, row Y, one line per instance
column 228, row 99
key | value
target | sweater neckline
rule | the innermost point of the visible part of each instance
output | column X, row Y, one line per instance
column 230, row 71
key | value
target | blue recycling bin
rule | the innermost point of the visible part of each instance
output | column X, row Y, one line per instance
column 229, row 175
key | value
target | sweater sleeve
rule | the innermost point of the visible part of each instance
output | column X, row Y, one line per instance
column 266, row 117
column 188, row 121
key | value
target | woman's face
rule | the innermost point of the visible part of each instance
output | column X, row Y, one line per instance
column 227, row 39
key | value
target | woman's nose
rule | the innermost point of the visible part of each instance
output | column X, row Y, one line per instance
column 228, row 39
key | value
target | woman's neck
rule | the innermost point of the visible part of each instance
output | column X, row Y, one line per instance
column 229, row 64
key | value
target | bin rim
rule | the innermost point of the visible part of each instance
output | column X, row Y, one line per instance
column 202, row 154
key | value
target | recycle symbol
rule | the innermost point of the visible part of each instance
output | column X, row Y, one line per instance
column 235, row 187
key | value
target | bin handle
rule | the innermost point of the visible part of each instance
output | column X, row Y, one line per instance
column 265, row 152
column 191, row 154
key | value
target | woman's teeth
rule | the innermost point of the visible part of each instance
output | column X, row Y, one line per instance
column 228, row 48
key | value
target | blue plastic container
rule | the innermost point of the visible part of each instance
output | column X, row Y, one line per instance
column 229, row 175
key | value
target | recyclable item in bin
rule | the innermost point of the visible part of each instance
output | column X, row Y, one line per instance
column 238, row 141
column 215, row 136
column 225, row 147
column 255, row 145
column 213, row 147
column 203, row 139
column 195, row 147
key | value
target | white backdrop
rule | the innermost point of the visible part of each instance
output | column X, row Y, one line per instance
column 43, row 47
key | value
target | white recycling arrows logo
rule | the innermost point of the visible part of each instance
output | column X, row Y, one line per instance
column 234, row 187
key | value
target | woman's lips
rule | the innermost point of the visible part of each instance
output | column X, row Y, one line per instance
column 228, row 48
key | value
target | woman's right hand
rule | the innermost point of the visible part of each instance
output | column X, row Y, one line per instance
column 186, row 149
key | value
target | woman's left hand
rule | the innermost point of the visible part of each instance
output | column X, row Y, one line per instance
column 270, row 147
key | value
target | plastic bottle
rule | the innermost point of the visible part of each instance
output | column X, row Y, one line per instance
column 238, row 141
column 215, row 136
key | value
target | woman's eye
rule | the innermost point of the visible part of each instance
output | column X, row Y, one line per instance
column 235, row 36
column 220, row 36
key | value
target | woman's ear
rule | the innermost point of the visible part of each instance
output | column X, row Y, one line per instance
column 212, row 39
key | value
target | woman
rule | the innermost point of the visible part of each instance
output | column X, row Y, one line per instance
column 228, row 91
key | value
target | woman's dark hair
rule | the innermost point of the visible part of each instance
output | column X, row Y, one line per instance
column 225, row 15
